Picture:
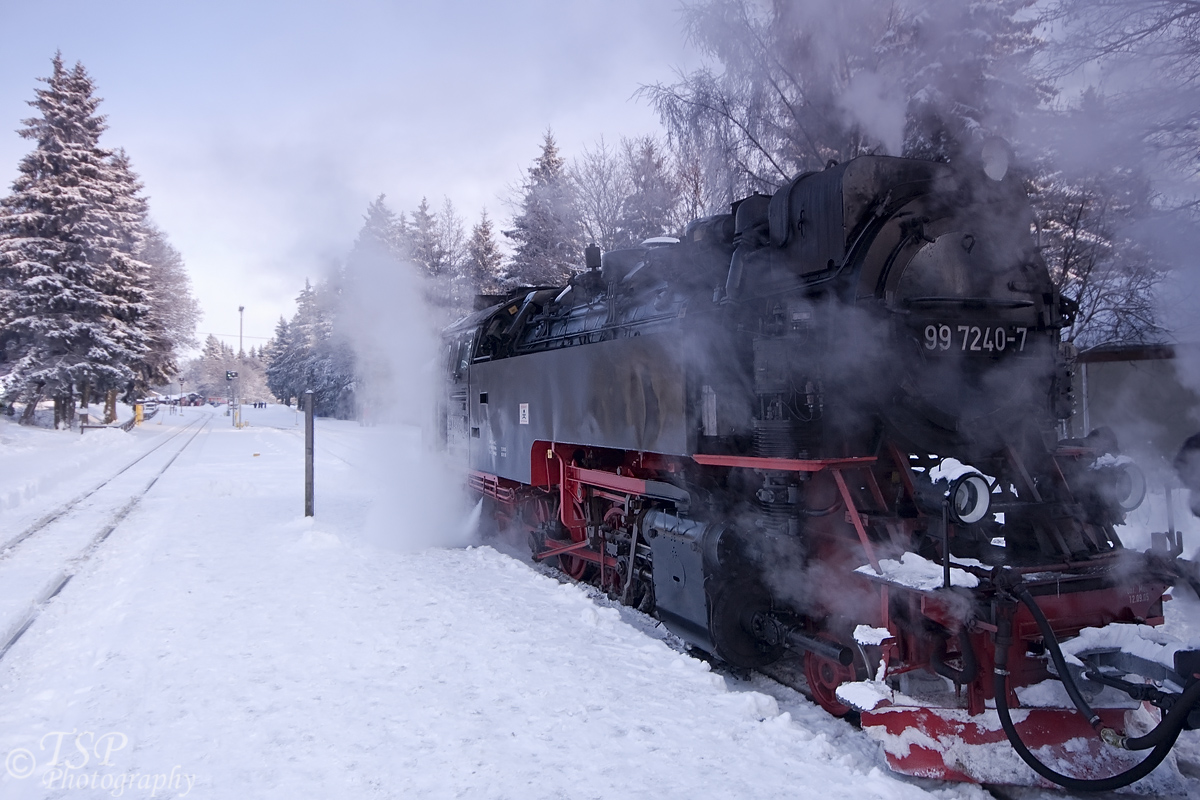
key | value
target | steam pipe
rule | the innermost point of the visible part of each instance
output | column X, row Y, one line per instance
column 827, row 650
column 946, row 544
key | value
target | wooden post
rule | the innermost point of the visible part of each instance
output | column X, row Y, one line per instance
column 308, row 453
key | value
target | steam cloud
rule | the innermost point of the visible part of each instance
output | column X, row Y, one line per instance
column 418, row 497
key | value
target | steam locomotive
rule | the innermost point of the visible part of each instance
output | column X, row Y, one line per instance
column 825, row 424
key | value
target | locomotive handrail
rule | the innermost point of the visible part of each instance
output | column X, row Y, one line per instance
column 981, row 302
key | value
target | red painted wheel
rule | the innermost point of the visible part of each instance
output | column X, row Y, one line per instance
column 614, row 576
column 824, row 676
column 576, row 568
column 534, row 514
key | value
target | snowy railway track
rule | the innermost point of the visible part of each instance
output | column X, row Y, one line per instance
column 62, row 557
column 7, row 547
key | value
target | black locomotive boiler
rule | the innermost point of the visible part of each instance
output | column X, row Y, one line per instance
column 825, row 423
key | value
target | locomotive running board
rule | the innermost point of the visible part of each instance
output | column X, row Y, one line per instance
column 782, row 464
column 950, row 744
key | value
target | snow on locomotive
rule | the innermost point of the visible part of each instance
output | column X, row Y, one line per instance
column 757, row 433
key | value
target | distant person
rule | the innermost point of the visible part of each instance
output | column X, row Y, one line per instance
column 1187, row 466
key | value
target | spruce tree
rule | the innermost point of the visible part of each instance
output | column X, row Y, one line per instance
column 72, row 300
column 134, row 284
column 453, row 285
column 171, row 321
column 380, row 242
column 483, row 258
column 281, row 364
column 546, row 228
column 423, row 237
column 309, row 354
column 382, row 232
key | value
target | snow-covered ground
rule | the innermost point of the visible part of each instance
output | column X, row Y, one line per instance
column 219, row 644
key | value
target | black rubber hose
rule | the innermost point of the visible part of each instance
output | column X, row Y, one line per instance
column 1177, row 716
column 1000, row 689
column 1056, row 655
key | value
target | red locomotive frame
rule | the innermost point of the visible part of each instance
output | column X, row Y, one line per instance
column 914, row 734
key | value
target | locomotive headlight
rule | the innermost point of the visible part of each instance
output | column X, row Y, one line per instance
column 1129, row 486
column 996, row 156
column 970, row 498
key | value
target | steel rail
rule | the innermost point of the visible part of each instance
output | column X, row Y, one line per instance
column 7, row 547
column 61, row 578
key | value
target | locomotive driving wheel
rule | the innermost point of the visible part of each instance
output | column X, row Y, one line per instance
column 539, row 516
column 575, row 567
column 824, row 676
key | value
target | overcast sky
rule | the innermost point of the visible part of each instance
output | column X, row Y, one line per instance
column 263, row 129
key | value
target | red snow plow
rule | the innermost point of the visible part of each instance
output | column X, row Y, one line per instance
column 1061, row 678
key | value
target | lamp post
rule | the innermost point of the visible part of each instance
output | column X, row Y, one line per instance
column 237, row 384
column 180, row 403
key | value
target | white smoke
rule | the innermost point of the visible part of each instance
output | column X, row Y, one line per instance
column 874, row 103
column 418, row 499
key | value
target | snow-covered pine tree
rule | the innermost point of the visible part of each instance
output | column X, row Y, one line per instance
column 71, row 302
column 381, row 240
column 380, row 251
column 205, row 374
column 425, row 249
column 282, row 369
column 452, row 247
column 173, row 310
column 137, row 284
column 546, row 227
column 308, row 354
column 425, row 252
column 332, row 367
column 382, row 231
column 484, row 259
column 307, row 330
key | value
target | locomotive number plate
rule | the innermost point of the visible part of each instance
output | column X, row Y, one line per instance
column 975, row 339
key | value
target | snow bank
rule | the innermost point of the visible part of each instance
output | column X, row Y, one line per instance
column 268, row 655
